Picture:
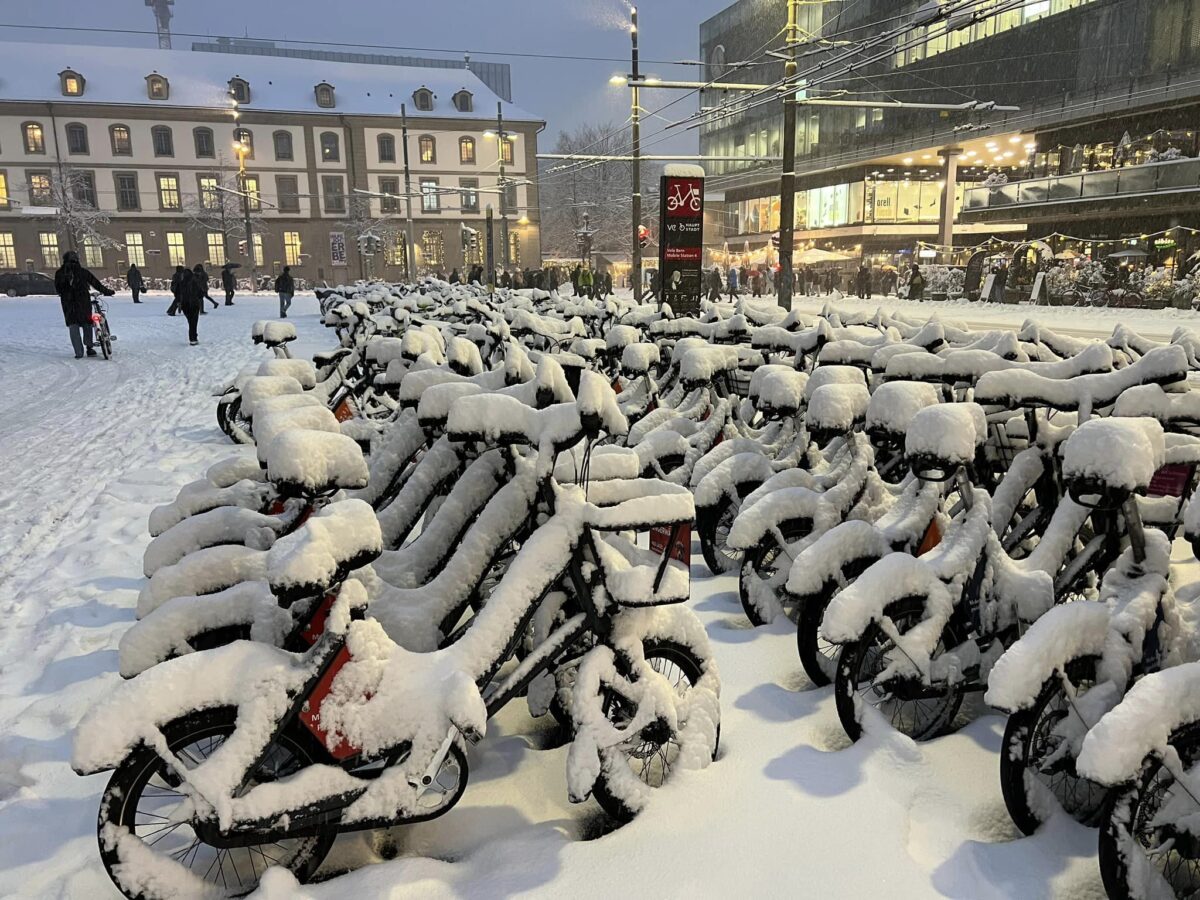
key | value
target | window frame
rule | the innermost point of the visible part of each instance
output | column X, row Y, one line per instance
column 8, row 250
column 162, row 150
column 338, row 194
column 137, row 193
column 45, row 199
column 208, row 198
column 139, row 244
column 172, row 259
column 5, row 190
column 385, row 139
column 77, row 128
column 153, row 80
column 463, row 143
column 91, row 246
column 254, row 200
column 336, row 145
column 470, row 185
column 427, row 141
column 290, row 155
column 27, row 131
column 323, row 90
column 427, row 196
column 112, row 139
column 212, row 142
column 219, row 244
column 66, row 74
column 243, row 135
column 49, row 248
column 291, row 239
column 389, row 184
column 508, row 151
column 282, row 197
column 158, row 184
column 423, row 99
column 470, row 98
column 239, row 86
column 89, row 198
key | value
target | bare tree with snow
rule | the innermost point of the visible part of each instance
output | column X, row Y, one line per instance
column 71, row 193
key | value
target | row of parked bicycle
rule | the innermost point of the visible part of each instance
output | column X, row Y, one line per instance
column 477, row 498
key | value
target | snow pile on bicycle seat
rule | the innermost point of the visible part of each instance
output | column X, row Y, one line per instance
column 836, row 407
column 636, row 359
column 463, row 356
column 300, row 369
column 630, row 572
column 436, row 401
column 779, row 389
column 223, row 525
column 1120, row 453
column 638, row 504
column 604, row 463
column 268, row 405
column 1151, row 400
column 597, row 400
column 948, row 433
column 310, row 463
column 310, row 418
column 823, row 375
column 621, row 336
column 232, row 470
column 341, row 537
column 262, row 386
column 200, row 496
column 701, row 364
column 278, row 332
column 894, row 404
column 203, row 572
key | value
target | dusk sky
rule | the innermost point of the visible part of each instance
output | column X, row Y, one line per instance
column 565, row 93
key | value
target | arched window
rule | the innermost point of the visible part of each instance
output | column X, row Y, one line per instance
column 35, row 138
column 466, row 150
column 206, row 145
column 427, row 148
column 433, row 249
column 324, row 92
column 71, row 82
column 463, row 101
column 157, row 87
column 387, row 148
column 163, row 140
column 330, row 148
column 239, row 89
column 283, row 145
column 122, row 144
column 423, row 98
column 77, row 139
column 245, row 137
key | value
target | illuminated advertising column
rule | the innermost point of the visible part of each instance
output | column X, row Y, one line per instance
column 681, row 238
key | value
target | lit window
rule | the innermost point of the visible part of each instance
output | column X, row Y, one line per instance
column 433, row 248
column 77, row 139
column 394, row 253
column 466, row 150
column 134, row 249
column 430, row 201
column 4, row 190
column 164, row 142
column 71, row 82
column 291, row 248
column 176, row 250
column 206, row 147
column 258, row 250
column 245, row 137
column 157, row 87
column 35, row 141
column 387, row 148
column 168, row 192
column 239, row 90
column 209, row 196
column 514, row 249
column 39, row 189
column 251, row 188
column 93, row 255
column 48, row 242
column 127, row 191
column 121, row 143
column 8, row 251
column 506, row 151
column 216, row 248
column 330, row 150
column 283, row 145
column 428, row 148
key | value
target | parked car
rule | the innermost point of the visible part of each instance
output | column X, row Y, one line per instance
column 22, row 284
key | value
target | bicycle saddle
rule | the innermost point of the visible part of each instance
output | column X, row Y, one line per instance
column 335, row 541
column 305, row 463
column 260, row 387
column 941, row 439
column 894, row 404
column 300, row 369
column 835, row 409
column 1106, row 460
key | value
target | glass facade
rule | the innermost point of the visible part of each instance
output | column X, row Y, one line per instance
column 869, row 202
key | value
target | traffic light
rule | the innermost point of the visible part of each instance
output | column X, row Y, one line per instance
column 643, row 236
column 775, row 240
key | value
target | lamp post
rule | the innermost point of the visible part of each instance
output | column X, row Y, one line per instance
column 635, row 273
column 242, row 149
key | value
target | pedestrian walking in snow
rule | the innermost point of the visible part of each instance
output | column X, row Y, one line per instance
column 175, row 282
column 585, row 282
column 864, row 282
column 191, row 302
column 916, row 284
column 198, row 271
column 714, row 285
column 454, row 279
column 575, row 281
column 286, row 289
column 608, row 287
column 133, row 278
column 506, row 280
column 73, row 283
column 732, row 283
column 228, row 282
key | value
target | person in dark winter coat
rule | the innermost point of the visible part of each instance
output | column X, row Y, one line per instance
column 198, row 271
column 607, row 285
column 714, row 285
column 73, row 283
column 228, row 283
column 133, row 278
column 191, row 301
column 575, row 281
column 916, row 284
column 454, row 279
column 864, row 282
column 552, row 281
column 175, row 282
column 286, row 289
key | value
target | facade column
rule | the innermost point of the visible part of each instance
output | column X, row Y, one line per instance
column 949, row 157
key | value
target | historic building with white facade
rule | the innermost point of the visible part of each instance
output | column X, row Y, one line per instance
column 153, row 139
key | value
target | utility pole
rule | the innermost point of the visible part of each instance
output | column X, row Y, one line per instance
column 408, row 219
column 787, row 181
column 241, row 151
column 635, row 271
column 503, row 183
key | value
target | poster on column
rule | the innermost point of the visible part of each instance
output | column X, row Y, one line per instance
column 681, row 237
column 337, row 248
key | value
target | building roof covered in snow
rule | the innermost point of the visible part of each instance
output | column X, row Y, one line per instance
column 121, row 75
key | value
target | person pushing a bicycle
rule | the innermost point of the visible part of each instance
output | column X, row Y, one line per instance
column 73, row 282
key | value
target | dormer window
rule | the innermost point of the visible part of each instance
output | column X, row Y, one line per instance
column 324, row 92
column 157, row 87
column 72, row 83
column 463, row 101
column 239, row 89
column 423, row 98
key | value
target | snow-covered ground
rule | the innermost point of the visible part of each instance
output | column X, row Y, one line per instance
column 789, row 809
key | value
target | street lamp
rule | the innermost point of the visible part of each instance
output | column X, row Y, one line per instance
column 241, row 148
